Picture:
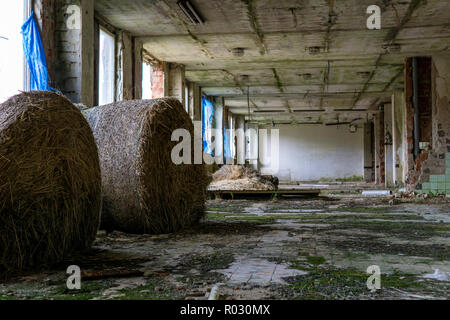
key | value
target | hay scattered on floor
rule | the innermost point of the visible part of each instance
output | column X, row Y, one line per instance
column 144, row 191
column 50, row 183
column 236, row 177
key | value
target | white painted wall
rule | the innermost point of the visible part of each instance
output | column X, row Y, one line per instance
column 312, row 152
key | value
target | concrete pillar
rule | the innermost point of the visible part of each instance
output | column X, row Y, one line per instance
column 239, row 134
column 376, row 124
column 124, row 72
column 218, row 115
column 197, row 102
column 176, row 82
column 137, row 65
column 191, row 94
column 74, row 64
column 388, row 146
column 368, row 152
column 440, row 74
column 230, row 137
column 87, row 53
column 44, row 11
column 252, row 144
column 380, row 160
column 399, row 137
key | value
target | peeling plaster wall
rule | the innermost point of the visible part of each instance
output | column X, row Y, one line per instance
column 433, row 165
column 435, row 174
column 124, row 70
column 218, row 125
column 177, row 82
column 70, row 51
column 315, row 152
column 399, row 137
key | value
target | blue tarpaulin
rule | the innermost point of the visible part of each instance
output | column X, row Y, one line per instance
column 207, row 125
column 227, row 145
column 35, row 55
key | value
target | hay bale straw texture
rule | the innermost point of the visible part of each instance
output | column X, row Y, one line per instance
column 143, row 190
column 240, row 178
column 50, row 182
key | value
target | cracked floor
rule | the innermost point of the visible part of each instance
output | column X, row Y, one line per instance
column 295, row 248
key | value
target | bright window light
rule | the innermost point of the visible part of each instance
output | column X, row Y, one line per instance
column 106, row 68
column 12, row 63
column 146, row 81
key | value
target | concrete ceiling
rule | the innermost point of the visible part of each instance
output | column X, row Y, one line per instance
column 351, row 68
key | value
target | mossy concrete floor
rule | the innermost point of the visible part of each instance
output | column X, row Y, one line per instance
column 296, row 248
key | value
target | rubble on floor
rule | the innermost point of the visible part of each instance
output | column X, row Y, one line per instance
column 296, row 248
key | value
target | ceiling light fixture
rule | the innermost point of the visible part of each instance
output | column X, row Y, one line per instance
column 244, row 77
column 364, row 74
column 190, row 12
column 314, row 50
column 306, row 76
column 237, row 52
column 392, row 47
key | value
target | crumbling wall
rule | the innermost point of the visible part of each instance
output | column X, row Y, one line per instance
column 124, row 70
column 68, row 38
column 431, row 170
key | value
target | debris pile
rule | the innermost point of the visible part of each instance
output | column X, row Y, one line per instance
column 239, row 178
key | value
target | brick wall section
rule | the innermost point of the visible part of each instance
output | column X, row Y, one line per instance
column 157, row 78
column 431, row 171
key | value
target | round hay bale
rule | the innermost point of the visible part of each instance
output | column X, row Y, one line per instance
column 50, row 182
column 143, row 190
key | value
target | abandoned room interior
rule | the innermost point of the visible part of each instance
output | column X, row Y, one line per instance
column 225, row 150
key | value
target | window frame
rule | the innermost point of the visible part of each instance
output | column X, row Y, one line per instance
column 102, row 28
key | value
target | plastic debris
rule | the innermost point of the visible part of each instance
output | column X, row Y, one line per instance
column 438, row 275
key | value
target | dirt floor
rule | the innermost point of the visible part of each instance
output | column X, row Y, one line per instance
column 290, row 248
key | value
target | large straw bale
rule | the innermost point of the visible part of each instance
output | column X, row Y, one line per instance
column 50, row 182
column 144, row 191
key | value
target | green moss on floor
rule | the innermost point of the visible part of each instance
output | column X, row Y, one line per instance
column 404, row 230
column 150, row 291
column 89, row 290
column 327, row 282
column 315, row 260
column 270, row 218
column 208, row 262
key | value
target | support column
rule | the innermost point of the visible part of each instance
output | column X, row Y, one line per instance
column 137, row 72
column 197, row 102
column 376, row 126
column 388, row 146
column 218, row 115
column 399, row 137
column 239, row 134
column 75, row 50
column 44, row 11
column 252, row 144
column 368, row 154
column 176, row 82
column 124, row 72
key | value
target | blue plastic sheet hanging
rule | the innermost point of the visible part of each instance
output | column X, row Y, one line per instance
column 35, row 55
column 227, row 145
column 207, row 125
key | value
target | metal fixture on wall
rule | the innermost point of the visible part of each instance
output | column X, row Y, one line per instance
column 190, row 12
column 237, row 52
